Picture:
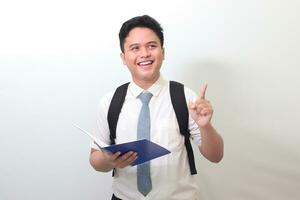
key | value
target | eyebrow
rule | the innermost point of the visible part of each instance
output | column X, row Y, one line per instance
column 137, row 44
column 134, row 44
column 152, row 42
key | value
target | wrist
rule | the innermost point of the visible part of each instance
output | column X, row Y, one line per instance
column 205, row 127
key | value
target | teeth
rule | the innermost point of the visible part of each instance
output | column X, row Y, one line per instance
column 145, row 63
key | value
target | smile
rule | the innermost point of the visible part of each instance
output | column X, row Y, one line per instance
column 145, row 63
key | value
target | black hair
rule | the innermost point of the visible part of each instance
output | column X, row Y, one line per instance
column 140, row 21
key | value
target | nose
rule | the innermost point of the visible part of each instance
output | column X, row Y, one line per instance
column 145, row 52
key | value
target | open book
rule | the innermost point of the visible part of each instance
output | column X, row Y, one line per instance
column 146, row 150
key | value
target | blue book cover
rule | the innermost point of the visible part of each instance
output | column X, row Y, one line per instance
column 145, row 149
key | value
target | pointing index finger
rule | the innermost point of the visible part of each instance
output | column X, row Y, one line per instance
column 203, row 91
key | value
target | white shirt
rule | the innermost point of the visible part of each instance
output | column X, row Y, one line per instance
column 170, row 174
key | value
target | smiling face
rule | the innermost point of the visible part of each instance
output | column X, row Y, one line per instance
column 143, row 55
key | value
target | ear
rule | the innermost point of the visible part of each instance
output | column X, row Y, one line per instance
column 163, row 52
column 123, row 58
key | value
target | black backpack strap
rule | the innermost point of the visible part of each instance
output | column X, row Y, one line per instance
column 182, row 115
column 115, row 109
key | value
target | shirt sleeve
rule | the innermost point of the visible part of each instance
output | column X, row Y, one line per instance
column 101, row 129
column 191, row 96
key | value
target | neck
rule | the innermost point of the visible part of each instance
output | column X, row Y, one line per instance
column 145, row 84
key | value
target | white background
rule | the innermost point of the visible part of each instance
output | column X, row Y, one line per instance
column 57, row 58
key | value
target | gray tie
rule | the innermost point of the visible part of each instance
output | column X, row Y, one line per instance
column 143, row 132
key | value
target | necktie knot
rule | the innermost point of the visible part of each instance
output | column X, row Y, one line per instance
column 145, row 97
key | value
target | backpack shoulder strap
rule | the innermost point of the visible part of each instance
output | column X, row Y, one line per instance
column 182, row 114
column 115, row 109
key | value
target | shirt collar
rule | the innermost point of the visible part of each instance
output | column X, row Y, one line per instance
column 154, row 89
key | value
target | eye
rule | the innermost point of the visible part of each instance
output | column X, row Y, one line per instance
column 152, row 46
column 134, row 48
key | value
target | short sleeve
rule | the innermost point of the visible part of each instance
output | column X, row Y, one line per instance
column 101, row 129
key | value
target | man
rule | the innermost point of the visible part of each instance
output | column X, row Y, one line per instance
column 141, row 42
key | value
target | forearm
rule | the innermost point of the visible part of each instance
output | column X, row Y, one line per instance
column 99, row 162
column 212, row 146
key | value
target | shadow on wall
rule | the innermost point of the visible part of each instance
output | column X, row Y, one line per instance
column 261, row 150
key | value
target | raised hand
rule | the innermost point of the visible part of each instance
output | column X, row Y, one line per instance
column 201, row 110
